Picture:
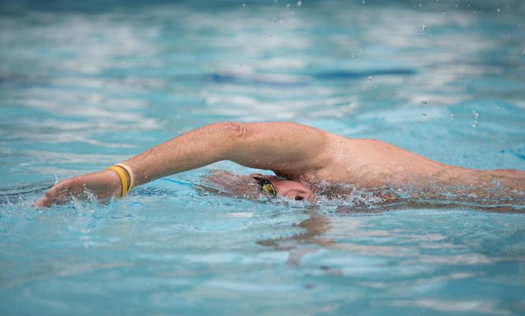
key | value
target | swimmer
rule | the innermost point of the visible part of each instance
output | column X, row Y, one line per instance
column 304, row 160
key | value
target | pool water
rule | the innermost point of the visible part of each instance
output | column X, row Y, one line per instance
column 86, row 84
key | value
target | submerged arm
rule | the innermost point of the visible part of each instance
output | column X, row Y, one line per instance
column 285, row 148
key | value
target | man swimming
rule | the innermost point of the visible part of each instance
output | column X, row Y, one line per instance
column 303, row 158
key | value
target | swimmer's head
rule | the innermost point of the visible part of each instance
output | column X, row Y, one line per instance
column 292, row 190
column 257, row 185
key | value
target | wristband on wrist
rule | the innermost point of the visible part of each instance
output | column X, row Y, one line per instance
column 130, row 174
column 123, row 181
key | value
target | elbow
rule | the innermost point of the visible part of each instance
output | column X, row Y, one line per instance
column 234, row 131
column 231, row 139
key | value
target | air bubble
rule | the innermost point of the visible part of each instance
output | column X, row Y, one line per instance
column 423, row 114
column 475, row 124
column 299, row 3
column 498, row 10
column 370, row 78
column 423, row 101
column 452, row 116
column 244, row 4
column 423, row 27
column 475, row 115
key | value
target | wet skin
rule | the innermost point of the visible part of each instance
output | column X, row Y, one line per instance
column 301, row 156
column 289, row 189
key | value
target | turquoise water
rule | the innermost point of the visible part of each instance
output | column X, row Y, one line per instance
column 85, row 85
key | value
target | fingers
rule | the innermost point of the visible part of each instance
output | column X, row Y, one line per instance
column 43, row 202
column 59, row 193
column 102, row 184
column 60, row 188
column 52, row 199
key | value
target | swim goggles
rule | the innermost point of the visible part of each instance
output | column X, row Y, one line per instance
column 266, row 186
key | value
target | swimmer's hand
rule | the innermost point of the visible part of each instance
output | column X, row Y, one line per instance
column 103, row 184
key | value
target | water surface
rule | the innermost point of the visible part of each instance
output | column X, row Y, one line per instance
column 84, row 85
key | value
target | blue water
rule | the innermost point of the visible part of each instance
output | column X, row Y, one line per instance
column 86, row 84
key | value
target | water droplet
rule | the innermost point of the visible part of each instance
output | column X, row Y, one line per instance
column 475, row 124
column 452, row 116
column 370, row 78
column 423, row 28
column 287, row 5
column 423, row 114
column 363, row 1
column 497, row 108
column 299, row 3
column 424, row 101
column 244, row 4
column 475, row 114
column 498, row 10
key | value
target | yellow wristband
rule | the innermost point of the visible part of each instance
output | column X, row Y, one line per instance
column 130, row 174
column 123, row 180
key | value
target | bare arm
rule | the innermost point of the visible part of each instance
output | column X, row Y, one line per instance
column 285, row 148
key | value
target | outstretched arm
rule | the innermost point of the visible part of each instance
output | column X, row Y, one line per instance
column 286, row 148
